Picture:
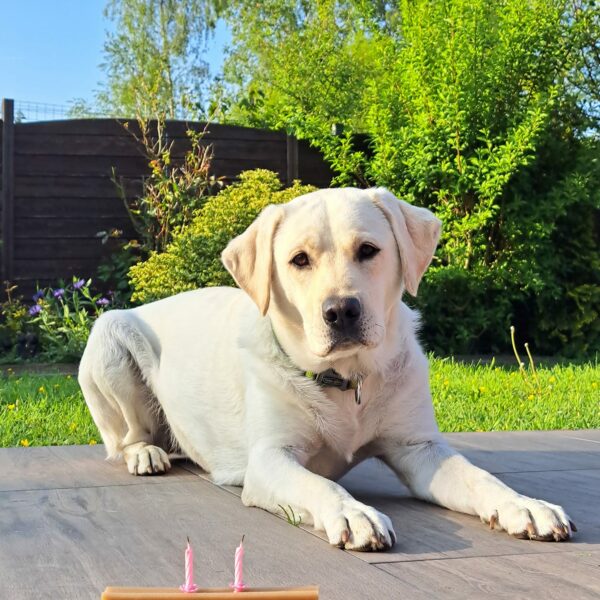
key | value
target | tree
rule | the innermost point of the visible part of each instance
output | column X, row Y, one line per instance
column 154, row 57
column 585, row 76
column 479, row 109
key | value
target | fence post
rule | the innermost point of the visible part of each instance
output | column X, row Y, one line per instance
column 8, row 190
column 292, row 159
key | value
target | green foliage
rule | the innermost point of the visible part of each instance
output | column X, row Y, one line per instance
column 173, row 191
column 64, row 317
column 480, row 110
column 463, row 311
column 55, row 327
column 192, row 259
column 113, row 272
column 154, row 57
column 290, row 516
column 13, row 322
column 584, row 77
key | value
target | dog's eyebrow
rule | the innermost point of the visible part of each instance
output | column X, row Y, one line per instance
column 308, row 244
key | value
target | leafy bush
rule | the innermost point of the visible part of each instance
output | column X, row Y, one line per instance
column 463, row 311
column 192, row 259
column 482, row 110
column 14, row 330
column 64, row 317
column 56, row 326
column 175, row 189
column 113, row 271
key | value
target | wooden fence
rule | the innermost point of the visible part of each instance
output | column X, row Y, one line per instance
column 58, row 192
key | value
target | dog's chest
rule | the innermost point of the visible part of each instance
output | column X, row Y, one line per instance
column 345, row 430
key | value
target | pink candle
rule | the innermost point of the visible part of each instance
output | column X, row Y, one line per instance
column 238, row 584
column 189, row 585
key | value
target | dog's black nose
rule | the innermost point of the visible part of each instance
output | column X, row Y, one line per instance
column 341, row 313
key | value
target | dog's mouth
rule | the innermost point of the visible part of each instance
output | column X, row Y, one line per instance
column 344, row 345
column 347, row 342
column 334, row 345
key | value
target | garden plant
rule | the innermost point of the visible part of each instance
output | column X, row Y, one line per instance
column 55, row 326
column 484, row 111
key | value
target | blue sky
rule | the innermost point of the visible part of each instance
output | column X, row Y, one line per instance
column 51, row 50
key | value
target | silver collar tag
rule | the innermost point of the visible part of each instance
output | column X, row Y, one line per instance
column 358, row 391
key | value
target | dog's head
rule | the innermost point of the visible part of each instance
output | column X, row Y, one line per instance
column 330, row 266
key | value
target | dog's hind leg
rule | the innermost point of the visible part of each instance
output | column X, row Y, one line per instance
column 107, row 416
column 113, row 377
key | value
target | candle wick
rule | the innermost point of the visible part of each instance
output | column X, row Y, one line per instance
column 188, row 539
column 243, row 539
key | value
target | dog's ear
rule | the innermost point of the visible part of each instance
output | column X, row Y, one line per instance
column 249, row 257
column 417, row 232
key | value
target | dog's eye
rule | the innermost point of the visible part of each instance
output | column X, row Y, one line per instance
column 301, row 260
column 366, row 251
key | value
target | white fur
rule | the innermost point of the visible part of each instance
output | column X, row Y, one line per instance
column 217, row 374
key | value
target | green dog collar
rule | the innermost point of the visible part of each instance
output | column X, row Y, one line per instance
column 329, row 378
column 332, row 378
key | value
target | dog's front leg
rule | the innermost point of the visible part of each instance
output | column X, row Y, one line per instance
column 275, row 480
column 435, row 472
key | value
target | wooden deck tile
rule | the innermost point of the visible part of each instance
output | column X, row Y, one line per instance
column 67, row 467
column 519, row 451
column 71, row 524
column 556, row 577
column 73, row 543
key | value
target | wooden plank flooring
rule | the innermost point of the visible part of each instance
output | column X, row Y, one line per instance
column 72, row 524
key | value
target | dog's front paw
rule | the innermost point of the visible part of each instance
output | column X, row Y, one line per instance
column 356, row 526
column 144, row 459
column 528, row 518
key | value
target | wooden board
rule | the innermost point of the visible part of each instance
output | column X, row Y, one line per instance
column 81, row 206
column 63, row 186
column 102, row 127
column 555, row 577
column 80, row 524
column 127, row 146
column 71, row 467
column 76, row 542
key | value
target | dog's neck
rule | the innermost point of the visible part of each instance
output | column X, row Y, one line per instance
column 329, row 378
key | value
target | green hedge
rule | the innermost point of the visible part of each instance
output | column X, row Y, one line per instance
column 549, row 289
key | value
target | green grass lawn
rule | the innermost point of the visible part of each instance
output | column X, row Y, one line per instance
column 38, row 410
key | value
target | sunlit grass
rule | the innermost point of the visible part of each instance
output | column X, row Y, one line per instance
column 38, row 410
column 491, row 398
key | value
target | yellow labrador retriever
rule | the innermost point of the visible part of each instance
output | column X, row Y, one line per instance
column 313, row 366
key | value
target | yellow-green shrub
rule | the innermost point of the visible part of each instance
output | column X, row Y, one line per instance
column 192, row 259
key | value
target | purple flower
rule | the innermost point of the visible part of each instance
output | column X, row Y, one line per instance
column 59, row 293
column 103, row 302
column 79, row 284
column 39, row 294
column 36, row 309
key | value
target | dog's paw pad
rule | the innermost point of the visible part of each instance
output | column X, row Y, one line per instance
column 531, row 519
column 147, row 460
column 356, row 526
